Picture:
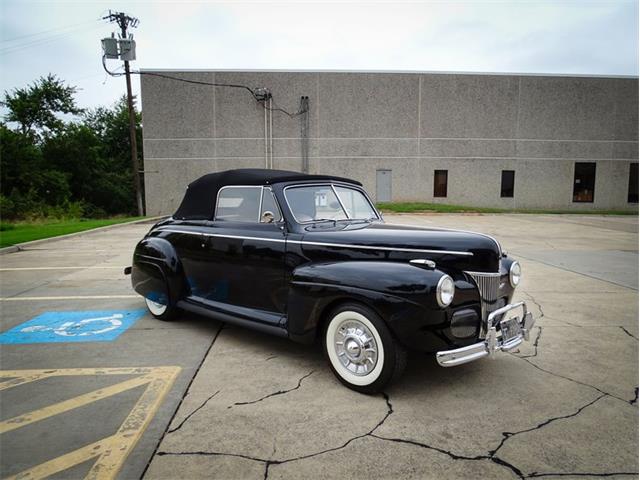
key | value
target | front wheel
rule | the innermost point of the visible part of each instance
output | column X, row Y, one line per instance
column 361, row 350
column 161, row 311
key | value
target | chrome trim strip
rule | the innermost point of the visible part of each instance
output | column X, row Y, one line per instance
column 259, row 206
column 217, row 235
column 321, row 244
column 344, row 209
column 388, row 249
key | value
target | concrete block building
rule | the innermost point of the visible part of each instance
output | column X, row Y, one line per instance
column 510, row 141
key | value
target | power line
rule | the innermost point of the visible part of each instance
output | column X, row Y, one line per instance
column 41, row 41
column 254, row 92
column 66, row 27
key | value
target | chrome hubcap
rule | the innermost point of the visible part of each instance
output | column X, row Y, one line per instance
column 356, row 347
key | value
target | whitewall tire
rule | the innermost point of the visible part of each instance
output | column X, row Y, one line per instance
column 360, row 349
column 160, row 311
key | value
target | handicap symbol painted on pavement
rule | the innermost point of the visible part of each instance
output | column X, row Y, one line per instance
column 90, row 326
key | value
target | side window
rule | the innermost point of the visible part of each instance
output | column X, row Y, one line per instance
column 269, row 205
column 239, row 204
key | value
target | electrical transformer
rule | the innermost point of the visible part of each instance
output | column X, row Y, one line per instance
column 127, row 49
column 110, row 47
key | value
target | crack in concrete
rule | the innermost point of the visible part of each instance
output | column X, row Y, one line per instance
column 535, row 354
column 571, row 379
column 269, row 462
column 192, row 413
column 274, row 394
column 206, row 354
column 535, row 346
column 490, row 456
column 542, row 314
column 580, row 474
column 270, row 358
column 508, row 435
column 536, row 303
column 628, row 332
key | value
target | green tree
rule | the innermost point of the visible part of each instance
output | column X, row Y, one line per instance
column 49, row 167
column 27, row 183
column 95, row 153
column 36, row 108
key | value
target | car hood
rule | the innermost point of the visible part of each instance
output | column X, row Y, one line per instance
column 449, row 248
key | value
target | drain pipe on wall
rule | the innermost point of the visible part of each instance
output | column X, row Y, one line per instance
column 266, row 141
column 304, row 132
column 271, row 132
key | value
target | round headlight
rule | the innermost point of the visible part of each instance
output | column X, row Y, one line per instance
column 515, row 274
column 445, row 291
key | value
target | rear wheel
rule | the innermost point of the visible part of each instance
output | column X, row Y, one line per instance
column 361, row 350
column 161, row 311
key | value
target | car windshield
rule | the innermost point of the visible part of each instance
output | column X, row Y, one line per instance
column 326, row 202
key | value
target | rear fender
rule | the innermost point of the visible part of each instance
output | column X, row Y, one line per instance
column 156, row 271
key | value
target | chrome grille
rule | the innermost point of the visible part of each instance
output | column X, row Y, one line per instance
column 488, row 285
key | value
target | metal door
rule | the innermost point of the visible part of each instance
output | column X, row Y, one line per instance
column 383, row 185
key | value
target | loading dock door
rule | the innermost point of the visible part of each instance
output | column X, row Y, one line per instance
column 383, row 185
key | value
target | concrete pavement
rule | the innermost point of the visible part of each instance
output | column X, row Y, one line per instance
column 565, row 405
column 254, row 406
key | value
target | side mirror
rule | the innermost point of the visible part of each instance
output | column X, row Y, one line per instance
column 267, row 217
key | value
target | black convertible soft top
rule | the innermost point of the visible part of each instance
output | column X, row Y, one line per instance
column 200, row 198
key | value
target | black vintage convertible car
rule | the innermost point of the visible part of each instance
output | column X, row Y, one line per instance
column 308, row 257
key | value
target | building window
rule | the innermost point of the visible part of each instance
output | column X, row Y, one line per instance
column 506, row 186
column 440, row 183
column 584, row 181
column 633, row 183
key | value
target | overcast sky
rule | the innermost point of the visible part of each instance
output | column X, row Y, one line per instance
column 553, row 36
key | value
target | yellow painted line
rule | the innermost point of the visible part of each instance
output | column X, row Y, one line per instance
column 111, row 461
column 70, row 297
column 92, row 267
column 63, row 372
column 63, row 462
column 72, row 403
column 111, row 451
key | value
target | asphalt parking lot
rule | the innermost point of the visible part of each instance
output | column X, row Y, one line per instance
column 94, row 387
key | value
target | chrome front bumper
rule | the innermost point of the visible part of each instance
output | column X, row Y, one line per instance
column 493, row 340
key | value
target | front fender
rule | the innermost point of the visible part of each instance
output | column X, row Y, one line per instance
column 402, row 294
column 156, row 271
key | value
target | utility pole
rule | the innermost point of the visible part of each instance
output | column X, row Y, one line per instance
column 124, row 21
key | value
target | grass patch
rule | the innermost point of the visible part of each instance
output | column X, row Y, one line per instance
column 415, row 207
column 19, row 232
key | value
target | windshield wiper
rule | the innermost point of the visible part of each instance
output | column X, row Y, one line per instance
column 323, row 220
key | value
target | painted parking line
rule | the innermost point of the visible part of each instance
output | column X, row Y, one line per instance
column 110, row 452
column 79, row 326
column 68, row 297
column 92, row 267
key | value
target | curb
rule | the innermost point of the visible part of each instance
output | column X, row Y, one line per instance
column 21, row 246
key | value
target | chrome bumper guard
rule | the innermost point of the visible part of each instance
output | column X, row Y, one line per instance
column 492, row 341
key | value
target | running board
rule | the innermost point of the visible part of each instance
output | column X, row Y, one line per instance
column 225, row 317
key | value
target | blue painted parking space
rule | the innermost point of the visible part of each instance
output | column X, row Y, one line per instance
column 79, row 326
